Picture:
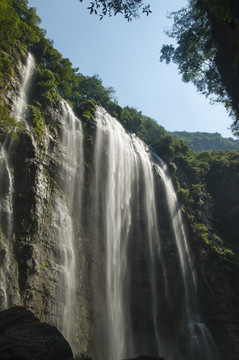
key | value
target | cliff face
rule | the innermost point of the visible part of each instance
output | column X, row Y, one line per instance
column 34, row 216
column 224, row 17
column 92, row 241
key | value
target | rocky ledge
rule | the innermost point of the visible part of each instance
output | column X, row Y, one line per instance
column 24, row 337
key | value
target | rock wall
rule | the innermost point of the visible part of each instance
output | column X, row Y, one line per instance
column 35, row 209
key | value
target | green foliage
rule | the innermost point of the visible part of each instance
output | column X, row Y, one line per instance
column 8, row 21
column 202, row 232
column 212, row 240
column 131, row 119
column 38, row 122
column 91, row 87
column 196, row 51
column 5, row 63
column 46, row 85
column 18, row 24
column 172, row 167
column 184, row 196
column 201, row 141
column 114, row 109
column 56, row 76
column 206, row 186
column 87, row 111
column 5, row 67
column 7, row 123
column 129, row 9
column 18, row 31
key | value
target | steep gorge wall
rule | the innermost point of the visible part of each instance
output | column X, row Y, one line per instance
column 49, row 226
column 32, row 186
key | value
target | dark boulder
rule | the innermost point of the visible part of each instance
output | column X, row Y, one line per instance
column 145, row 357
column 24, row 337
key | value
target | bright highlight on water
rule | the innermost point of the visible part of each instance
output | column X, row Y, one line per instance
column 129, row 189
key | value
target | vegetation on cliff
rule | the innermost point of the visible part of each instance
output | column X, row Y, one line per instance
column 202, row 141
column 56, row 76
column 206, row 53
column 206, row 32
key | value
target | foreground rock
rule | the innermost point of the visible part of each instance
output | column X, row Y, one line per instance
column 23, row 337
column 144, row 357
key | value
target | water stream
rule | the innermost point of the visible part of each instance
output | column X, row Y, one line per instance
column 200, row 344
column 144, row 311
column 19, row 107
column 71, row 173
column 6, row 214
column 128, row 198
column 18, row 112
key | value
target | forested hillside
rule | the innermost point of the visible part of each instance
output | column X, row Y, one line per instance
column 56, row 76
column 202, row 141
column 73, row 178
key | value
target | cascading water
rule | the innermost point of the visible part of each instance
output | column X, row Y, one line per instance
column 6, row 207
column 6, row 178
column 6, row 211
column 18, row 112
column 128, row 179
column 199, row 339
column 116, row 205
column 125, row 193
column 149, row 294
column 71, row 171
column 20, row 104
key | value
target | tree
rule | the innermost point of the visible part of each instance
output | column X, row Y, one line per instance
column 197, row 52
column 128, row 8
column 206, row 33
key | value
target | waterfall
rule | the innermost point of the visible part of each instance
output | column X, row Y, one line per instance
column 20, row 104
column 199, row 339
column 6, row 205
column 71, row 172
column 124, row 162
column 125, row 193
column 18, row 111
column 135, row 227
column 6, row 212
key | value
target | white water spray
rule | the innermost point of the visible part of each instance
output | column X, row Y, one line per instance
column 125, row 161
column 200, row 341
column 19, row 107
column 71, row 172
column 18, row 112
column 128, row 196
column 6, row 213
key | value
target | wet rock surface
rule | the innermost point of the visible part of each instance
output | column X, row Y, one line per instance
column 145, row 357
column 23, row 337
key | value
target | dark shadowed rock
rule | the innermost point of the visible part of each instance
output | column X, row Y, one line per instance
column 23, row 337
column 144, row 357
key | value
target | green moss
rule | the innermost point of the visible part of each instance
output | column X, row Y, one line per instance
column 45, row 265
column 6, row 69
column 202, row 232
column 46, row 85
column 7, row 123
column 184, row 196
column 213, row 241
column 38, row 122
column 87, row 111
column 172, row 167
column 3, row 237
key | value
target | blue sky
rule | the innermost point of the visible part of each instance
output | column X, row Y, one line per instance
column 126, row 57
